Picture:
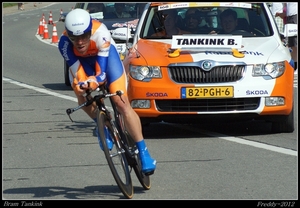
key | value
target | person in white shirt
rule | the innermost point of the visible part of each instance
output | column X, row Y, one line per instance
column 277, row 8
column 292, row 15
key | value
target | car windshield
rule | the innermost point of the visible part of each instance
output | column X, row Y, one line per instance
column 246, row 19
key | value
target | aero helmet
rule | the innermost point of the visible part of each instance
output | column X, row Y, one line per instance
column 78, row 22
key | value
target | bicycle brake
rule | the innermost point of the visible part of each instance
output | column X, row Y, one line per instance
column 119, row 93
column 69, row 111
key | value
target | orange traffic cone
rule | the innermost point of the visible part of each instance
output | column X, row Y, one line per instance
column 41, row 27
column 54, row 34
column 50, row 21
column 46, row 34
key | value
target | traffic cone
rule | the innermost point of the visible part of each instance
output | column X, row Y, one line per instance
column 46, row 34
column 50, row 21
column 54, row 34
column 41, row 27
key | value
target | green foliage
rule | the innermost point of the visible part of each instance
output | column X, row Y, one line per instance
column 9, row 4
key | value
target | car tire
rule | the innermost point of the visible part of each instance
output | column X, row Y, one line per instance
column 284, row 124
column 66, row 74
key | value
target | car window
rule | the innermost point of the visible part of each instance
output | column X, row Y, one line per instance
column 251, row 22
column 96, row 7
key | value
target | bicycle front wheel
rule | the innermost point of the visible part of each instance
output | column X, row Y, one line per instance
column 115, row 157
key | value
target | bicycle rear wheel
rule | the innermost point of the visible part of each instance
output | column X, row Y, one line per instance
column 132, row 153
column 137, row 165
column 115, row 157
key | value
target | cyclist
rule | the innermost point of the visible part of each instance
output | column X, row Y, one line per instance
column 89, row 50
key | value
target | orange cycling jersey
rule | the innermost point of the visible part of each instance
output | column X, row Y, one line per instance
column 100, row 60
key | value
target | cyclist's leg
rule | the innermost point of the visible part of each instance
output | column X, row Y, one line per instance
column 90, row 110
column 133, row 125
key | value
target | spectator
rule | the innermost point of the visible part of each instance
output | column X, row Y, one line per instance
column 277, row 8
column 170, row 18
column 228, row 21
column 21, row 6
column 291, row 15
column 193, row 19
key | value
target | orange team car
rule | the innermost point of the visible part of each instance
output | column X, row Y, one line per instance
column 209, row 73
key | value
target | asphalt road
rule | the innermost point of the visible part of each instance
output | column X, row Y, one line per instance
column 46, row 158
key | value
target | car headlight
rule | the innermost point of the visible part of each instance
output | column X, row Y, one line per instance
column 144, row 73
column 271, row 69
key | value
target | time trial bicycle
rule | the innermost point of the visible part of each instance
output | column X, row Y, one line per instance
column 124, row 155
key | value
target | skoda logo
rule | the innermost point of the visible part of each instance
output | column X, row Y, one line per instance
column 206, row 65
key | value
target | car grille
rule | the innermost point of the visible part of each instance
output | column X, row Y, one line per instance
column 207, row 105
column 194, row 74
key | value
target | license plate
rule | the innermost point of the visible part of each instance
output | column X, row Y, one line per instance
column 207, row 92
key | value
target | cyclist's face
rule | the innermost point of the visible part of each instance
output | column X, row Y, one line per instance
column 81, row 43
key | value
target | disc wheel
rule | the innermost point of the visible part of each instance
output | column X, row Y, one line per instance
column 137, row 165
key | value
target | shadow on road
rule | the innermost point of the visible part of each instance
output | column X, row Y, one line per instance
column 86, row 193
column 56, row 86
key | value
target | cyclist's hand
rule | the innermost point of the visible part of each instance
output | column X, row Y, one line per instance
column 89, row 84
column 81, row 88
column 101, row 78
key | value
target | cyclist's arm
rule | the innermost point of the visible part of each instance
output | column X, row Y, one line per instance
column 65, row 47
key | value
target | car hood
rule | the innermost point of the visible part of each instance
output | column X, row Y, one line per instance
column 256, row 50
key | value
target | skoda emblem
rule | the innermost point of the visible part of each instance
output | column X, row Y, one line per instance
column 206, row 65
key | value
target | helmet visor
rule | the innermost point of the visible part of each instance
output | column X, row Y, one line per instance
column 84, row 37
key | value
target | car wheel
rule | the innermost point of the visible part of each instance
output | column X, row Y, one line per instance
column 284, row 124
column 66, row 74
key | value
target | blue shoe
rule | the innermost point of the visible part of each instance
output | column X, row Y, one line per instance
column 148, row 163
column 109, row 141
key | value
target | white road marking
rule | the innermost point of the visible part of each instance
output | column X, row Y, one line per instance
column 242, row 141
column 40, row 89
